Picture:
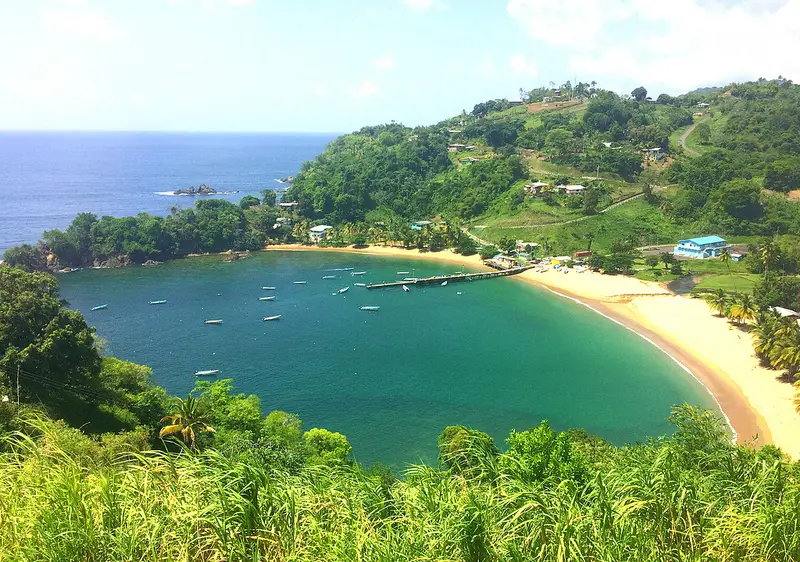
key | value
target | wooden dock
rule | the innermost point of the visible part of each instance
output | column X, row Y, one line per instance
column 454, row 278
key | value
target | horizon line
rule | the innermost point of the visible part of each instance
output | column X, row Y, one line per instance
column 172, row 131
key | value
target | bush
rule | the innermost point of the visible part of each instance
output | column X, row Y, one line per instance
column 488, row 252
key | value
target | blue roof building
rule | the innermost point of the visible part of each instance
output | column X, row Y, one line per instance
column 700, row 248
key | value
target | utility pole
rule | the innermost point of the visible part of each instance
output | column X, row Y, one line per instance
column 17, row 384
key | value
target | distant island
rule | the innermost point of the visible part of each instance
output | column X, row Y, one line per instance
column 202, row 189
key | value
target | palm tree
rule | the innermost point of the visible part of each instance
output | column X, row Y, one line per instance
column 190, row 418
column 725, row 257
column 766, row 333
column 718, row 301
column 797, row 397
column 767, row 252
column 743, row 308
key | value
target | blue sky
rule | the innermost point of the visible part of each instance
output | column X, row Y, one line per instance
column 325, row 65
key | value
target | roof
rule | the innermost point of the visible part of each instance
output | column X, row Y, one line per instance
column 422, row 222
column 703, row 240
column 537, row 184
column 320, row 228
column 783, row 311
column 571, row 187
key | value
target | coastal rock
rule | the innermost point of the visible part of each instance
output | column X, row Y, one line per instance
column 202, row 189
column 112, row 262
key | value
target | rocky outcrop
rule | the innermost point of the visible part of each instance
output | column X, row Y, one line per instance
column 202, row 189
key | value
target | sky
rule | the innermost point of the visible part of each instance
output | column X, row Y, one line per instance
column 336, row 65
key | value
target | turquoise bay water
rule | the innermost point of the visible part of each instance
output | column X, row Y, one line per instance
column 502, row 355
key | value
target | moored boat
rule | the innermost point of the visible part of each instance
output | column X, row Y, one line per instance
column 403, row 272
column 209, row 373
column 300, row 282
column 100, row 307
column 360, row 284
column 329, row 277
column 358, row 273
column 406, row 289
column 158, row 302
column 369, row 308
column 215, row 322
column 266, row 298
column 268, row 288
column 343, row 290
column 268, row 318
column 444, row 284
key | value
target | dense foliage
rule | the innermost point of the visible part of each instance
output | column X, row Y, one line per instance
column 552, row 496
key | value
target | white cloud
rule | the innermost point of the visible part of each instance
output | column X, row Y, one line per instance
column 363, row 90
column 678, row 46
column 424, row 5
column 521, row 66
column 384, row 62
column 91, row 24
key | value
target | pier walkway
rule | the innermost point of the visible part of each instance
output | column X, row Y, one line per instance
column 454, row 278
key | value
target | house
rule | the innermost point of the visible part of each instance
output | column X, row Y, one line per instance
column 737, row 257
column 560, row 260
column 317, row 233
column 608, row 146
column 412, row 138
column 785, row 312
column 526, row 247
column 505, row 262
column 468, row 160
column 571, row 189
column 582, row 254
column 701, row 248
column 288, row 205
column 703, row 105
column 419, row 225
column 456, row 147
column 454, row 131
column 535, row 188
column 515, row 103
column 653, row 153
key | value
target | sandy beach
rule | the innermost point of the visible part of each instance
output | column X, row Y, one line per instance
column 719, row 355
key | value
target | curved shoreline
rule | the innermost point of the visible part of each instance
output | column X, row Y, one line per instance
column 749, row 423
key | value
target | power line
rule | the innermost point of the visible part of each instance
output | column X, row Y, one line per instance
column 46, row 381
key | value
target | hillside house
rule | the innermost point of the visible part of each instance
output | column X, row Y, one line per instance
column 653, row 154
column 319, row 233
column 419, row 225
column 456, row 147
column 468, row 160
column 701, row 248
column 703, row 105
column 571, row 189
column 535, row 188
column 289, row 205
column 515, row 103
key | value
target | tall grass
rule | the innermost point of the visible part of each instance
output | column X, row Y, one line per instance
column 689, row 497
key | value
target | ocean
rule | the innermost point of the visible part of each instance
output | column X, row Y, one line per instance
column 46, row 178
column 501, row 355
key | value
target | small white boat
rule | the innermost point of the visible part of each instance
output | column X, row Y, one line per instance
column 358, row 273
column 300, row 282
column 158, row 302
column 458, row 293
column 100, row 307
column 406, row 289
column 329, row 277
column 266, row 298
column 403, row 272
column 444, row 284
column 343, row 290
column 360, row 284
column 267, row 288
column 209, row 373
column 268, row 318
column 369, row 308
column 215, row 322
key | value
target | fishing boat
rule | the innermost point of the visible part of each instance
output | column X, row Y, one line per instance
column 343, row 290
column 300, row 282
column 266, row 298
column 403, row 272
column 158, row 302
column 406, row 289
column 209, row 373
column 369, row 308
column 329, row 277
column 360, row 284
column 100, row 307
column 444, row 284
column 268, row 288
column 215, row 322
column 358, row 273
column 458, row 293
column 268, row 318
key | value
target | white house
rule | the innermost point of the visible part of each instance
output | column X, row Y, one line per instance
column 317, row 233
column 703, row 105
column 535, row 187
column 571, row 189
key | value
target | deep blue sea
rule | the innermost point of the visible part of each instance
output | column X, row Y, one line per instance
column 46, row 178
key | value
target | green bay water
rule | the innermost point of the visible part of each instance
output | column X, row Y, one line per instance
column 501, row 355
